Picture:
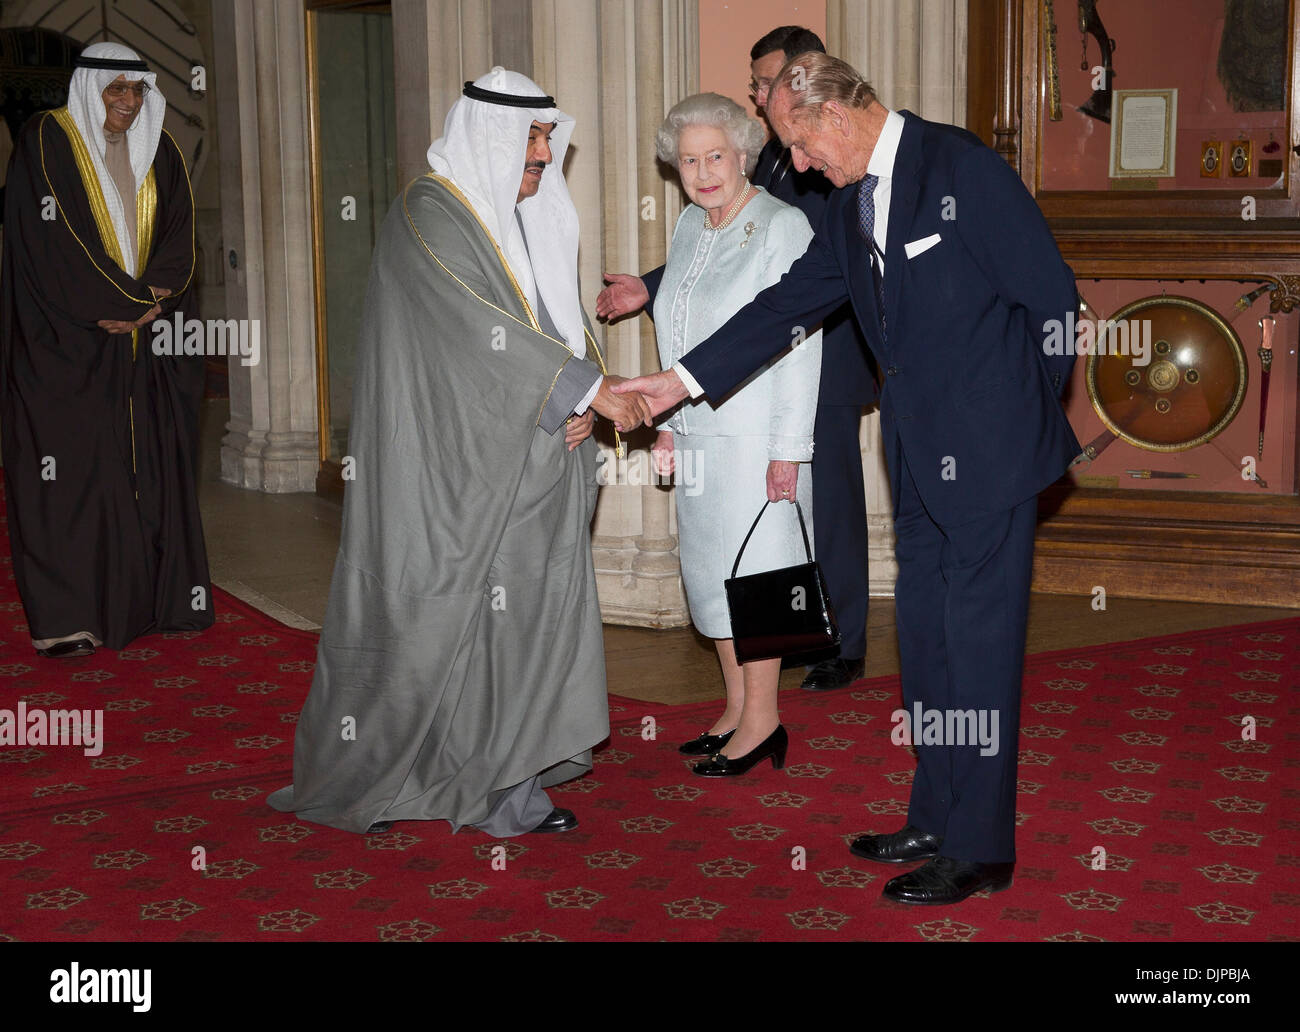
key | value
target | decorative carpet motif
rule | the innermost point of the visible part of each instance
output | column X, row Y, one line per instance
column 1144, row 812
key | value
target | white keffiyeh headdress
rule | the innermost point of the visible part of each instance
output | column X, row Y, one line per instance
column 86, row 106
column 482, row 150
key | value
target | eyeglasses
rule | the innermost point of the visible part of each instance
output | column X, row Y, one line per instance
column 755, row 85
column 118, row 90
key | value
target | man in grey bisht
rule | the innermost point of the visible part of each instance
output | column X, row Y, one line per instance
column 461, row 667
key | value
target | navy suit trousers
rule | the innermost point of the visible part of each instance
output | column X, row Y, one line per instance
column 962, row 602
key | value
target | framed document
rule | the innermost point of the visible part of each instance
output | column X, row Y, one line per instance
column 1142, row 134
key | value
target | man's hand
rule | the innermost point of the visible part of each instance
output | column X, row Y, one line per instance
column 627, row 409
column 161, row 292
column 782, row 480
column 624, row 294
column 118, row 326
column 578, row 428
column 661, row 391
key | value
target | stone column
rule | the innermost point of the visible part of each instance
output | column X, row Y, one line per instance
column 616, row 66
column 437, row 45
column 666, row 68
column 271, row 442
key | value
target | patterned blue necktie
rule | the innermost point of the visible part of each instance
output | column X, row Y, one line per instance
column 867, row 227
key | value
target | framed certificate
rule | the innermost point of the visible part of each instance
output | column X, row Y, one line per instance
column 1142, row 134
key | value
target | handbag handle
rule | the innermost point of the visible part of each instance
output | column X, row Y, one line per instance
column 806, row 547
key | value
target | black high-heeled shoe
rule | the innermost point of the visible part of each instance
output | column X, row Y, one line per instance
column 720, row 766
column 706, row 744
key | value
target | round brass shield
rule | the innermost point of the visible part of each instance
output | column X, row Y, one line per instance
column 1191, row 385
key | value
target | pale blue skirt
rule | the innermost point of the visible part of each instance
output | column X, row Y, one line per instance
column 721, row 486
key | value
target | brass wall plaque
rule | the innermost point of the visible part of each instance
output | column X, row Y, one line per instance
column 1096, row 480
column 1239, row 158
column 1211, row 159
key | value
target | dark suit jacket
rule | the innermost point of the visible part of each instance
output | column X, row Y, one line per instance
column 847, row 374
column 969, row 395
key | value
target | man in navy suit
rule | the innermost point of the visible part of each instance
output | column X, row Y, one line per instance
column 847, row 384
column 954, row 276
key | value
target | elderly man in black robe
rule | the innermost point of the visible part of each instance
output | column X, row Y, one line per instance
column 461, row 669
column 100, row 435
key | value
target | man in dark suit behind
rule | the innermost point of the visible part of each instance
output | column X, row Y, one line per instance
column 955, row 278
column 847, row 384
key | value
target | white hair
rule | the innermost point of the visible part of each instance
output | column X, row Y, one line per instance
column 744, row 133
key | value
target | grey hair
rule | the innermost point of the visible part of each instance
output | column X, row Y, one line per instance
column 744, row 133
column 813, row 79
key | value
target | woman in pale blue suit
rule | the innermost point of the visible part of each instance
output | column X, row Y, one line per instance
column 730, row 243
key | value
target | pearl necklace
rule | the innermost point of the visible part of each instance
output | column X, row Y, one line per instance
column 735, row 210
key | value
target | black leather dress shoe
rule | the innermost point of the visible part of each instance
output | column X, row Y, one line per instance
column 898, row 848
column 559, row 820
column 947, row 881
column 706, row 744
column 833, row 673
column 379, row 827
column 68, row 650
column 720, row 766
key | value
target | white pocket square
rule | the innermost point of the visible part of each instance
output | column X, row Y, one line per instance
column 919, row 246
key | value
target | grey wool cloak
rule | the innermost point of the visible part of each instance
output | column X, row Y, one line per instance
column 462, row 638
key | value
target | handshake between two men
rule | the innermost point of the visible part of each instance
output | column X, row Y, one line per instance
column 655, row 393
column 636, row 402
column 625, row 411
column 623, row 404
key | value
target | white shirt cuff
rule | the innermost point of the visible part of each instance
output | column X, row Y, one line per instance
column 688, row 381
column 585, row 403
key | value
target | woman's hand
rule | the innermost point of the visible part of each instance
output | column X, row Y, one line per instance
column 782, row 479
column 661, row 452
column 578, row 428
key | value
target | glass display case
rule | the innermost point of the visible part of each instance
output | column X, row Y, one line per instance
column 1160, row 139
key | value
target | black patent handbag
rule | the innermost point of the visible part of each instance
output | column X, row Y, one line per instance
column 780, row 612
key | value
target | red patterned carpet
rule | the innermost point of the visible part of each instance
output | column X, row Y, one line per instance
column 1135, row 748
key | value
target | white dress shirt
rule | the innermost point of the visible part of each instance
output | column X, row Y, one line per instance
column 882, row 165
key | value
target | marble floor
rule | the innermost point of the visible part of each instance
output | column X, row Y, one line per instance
column 276, row 552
